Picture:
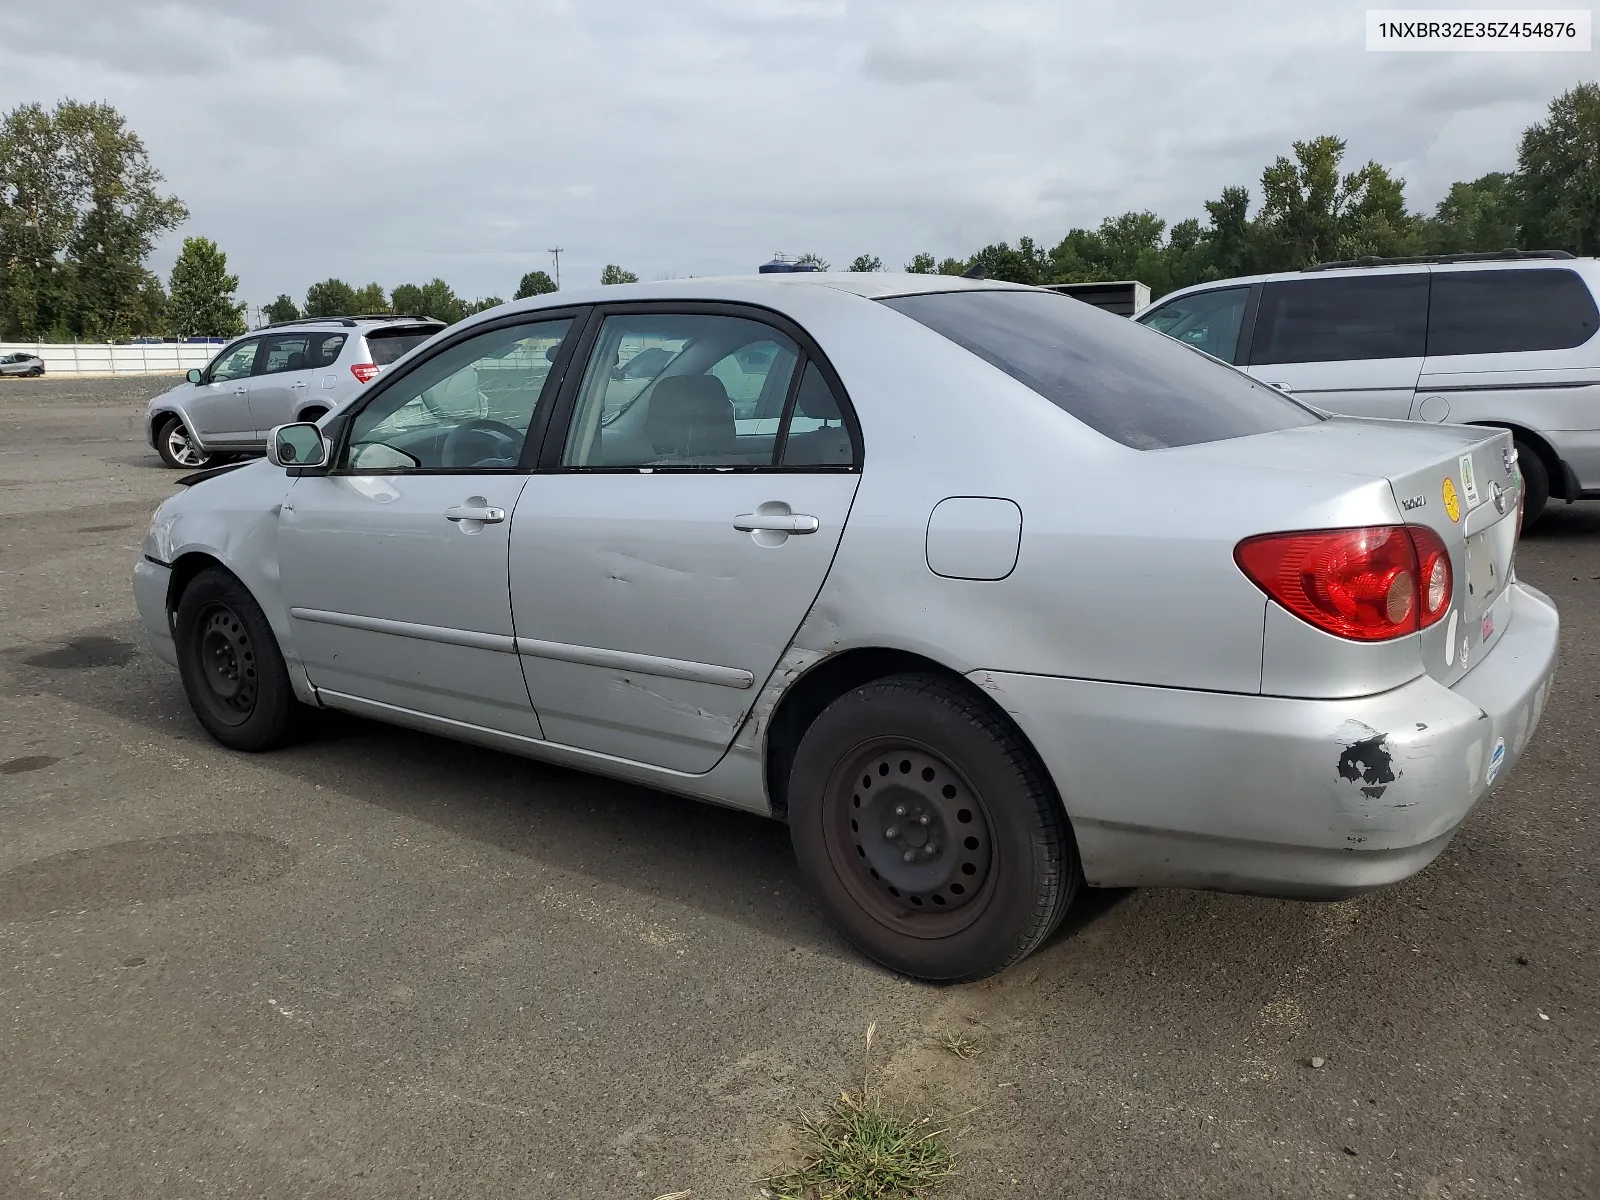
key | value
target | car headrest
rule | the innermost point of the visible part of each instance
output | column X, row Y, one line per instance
column 691, row 417
column 297, row 362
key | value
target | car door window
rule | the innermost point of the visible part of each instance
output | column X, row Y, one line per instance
column 468, row 408
column 322, row 349
column 285, row 352
column 818, row 435
column 1339, row 320
column 681, row 391
column 1505, row 312
column 1208, row 321
column 236, row 363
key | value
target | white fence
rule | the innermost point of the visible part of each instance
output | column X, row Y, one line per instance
column 88, row 358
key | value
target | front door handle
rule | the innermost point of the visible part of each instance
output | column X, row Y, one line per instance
column 475, row 512
column 776, row 522
column 240, row 391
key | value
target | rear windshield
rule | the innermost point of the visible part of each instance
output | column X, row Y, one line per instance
column 389, row 344
column 1132, row 384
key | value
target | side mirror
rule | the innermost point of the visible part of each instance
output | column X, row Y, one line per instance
column 193, row 375
column 297, row 445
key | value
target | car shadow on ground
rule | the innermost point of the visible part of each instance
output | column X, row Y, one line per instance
column 658, row 846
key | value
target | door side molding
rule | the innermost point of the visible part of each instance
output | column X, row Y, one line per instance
column 642, row 664
column 500, row 642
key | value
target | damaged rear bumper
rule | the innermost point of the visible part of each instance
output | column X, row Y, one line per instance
column 1283, row 797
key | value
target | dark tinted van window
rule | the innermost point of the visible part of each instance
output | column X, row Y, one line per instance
column 1499, row 312
column 1134, row 385
column 1329, row 319
column 389, row 344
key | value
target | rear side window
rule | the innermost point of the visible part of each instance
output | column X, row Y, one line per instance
column 1501, row 312
column 387, row 345
column 1328, row 319
column 1133, row 385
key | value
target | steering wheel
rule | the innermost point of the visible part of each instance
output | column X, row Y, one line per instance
column 475, row 442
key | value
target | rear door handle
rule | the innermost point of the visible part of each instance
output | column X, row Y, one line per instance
column 301, row 384
column 475, row 512
column 777, row 522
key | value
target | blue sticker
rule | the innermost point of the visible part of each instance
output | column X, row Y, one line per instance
column 1496, row 759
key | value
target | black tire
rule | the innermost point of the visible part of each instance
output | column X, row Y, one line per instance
column 231, row 667
column 962, row 861
column 312, row 414
column 170, row 453
column 1535, row 483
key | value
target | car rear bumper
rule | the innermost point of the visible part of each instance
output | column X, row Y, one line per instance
column 1260, row 794
column 150, row 583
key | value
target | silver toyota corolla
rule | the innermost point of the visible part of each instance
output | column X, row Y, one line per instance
column 989, row 594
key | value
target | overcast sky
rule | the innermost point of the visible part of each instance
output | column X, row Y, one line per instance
column 399, row 141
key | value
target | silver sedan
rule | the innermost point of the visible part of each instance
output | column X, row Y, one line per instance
column 988, row 594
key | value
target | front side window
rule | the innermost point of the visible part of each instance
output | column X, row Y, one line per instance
column 681, row 390
column 1129, row 383
column 1329, row 319
column 468, row 408
column 236, row 363
column 285, row 352
column 1505, row 312
column 1208, row 321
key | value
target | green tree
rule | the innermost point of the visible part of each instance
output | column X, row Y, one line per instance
column 1311, row 213
column 814, row 260
column 866, row 262
column 330, row 298
column 1483, row 214
column 615, row 274
column 1559, row 164
column 433, row 299
column 534, row 283
column 1026, row 263
column 370, row 300
column 922, row 264
column 280, row 310
column 80, row 211
column 200, row 291
column 484, row 304
column 951, row 266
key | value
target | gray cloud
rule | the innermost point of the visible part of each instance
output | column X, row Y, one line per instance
column 403, row 140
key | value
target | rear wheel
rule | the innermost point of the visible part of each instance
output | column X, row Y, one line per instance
column 177, row 448
column 1535, row 482
column 313, row 414
column 231, row 667
column 929, row 831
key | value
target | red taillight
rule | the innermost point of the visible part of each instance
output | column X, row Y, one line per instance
column 363, row 371
column 1366, row 584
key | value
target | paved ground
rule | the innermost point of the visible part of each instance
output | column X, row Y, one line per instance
column 379, row 964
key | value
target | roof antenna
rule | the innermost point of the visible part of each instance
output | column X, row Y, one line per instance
column 975, row 271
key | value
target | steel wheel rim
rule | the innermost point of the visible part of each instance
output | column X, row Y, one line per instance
column 227, row 662
column 182, row 447
column 910, row 838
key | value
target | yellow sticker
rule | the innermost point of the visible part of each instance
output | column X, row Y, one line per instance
column 1452, row 505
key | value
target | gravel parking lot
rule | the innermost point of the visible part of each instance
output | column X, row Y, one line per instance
column 381, row 964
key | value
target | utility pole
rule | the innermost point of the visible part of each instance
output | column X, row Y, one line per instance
column 556, row 250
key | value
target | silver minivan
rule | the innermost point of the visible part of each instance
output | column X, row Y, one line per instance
column 295, row 371
column 1505, row 339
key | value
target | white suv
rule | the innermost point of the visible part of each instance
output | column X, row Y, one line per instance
column 1505, row 339
column 294, row 371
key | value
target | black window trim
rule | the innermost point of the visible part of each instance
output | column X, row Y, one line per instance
column 538, row 431
column 555, row 436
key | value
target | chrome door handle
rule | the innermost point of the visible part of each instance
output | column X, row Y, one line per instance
column 473, row 512
column 1282, row 387
column 777, row 522
column 292, row 386
column 240, row 391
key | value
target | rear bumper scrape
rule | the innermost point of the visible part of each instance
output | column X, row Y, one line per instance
column 1284, row 797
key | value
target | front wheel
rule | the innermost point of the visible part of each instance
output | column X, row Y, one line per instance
column 929, row 830
column 177, row 448
column 231, row 667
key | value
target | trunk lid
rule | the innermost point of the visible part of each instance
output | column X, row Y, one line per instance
column 1459, row 481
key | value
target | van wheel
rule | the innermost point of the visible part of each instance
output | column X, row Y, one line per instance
column 177, row 448
column 1535, row 483
column 230, row 664
column 929, row 830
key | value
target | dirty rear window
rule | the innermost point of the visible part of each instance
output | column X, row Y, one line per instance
column 1132, row 384
column 389, row 344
